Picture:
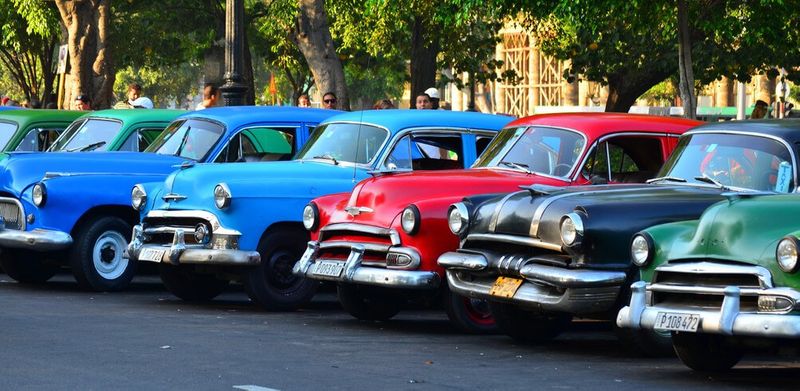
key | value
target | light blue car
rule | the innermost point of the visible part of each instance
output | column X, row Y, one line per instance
column 209, row 224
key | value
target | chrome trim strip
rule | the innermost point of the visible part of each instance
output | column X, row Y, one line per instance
column 344, row 244
column 23, row 223
column 393, row 235
column 764, row 275
column 497, row 209
column 173, row 196
column 572, row 278
column 463, row 261
column 216, row 227
column 37, row 239
column 513, row 239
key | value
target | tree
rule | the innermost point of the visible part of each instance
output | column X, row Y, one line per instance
column 688, row 98
column 27, row 46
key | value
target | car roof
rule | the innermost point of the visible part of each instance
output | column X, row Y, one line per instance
column 136, row 115
column 603, row 123
column 400, row 119
column 787, row 129
column 235, row 116
column 25, row 117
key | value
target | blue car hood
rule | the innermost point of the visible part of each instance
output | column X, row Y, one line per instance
column 290, row 179
column 21, row 170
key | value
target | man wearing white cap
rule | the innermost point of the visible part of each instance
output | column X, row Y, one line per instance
column 434, row 94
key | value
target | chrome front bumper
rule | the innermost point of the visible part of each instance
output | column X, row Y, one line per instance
column 547, row 288
column 727, row 320
column 356, row 273
column 37, row 239
column 181, row 253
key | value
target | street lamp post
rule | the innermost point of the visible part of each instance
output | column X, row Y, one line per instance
column 233, row 90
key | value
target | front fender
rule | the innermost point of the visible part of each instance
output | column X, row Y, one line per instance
column 668, row 240
column 434, row 237
column 328, row 206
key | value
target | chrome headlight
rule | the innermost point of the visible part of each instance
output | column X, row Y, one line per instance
column 138, row 197
column 458, row 218
column 409, row 220
column 222, row 196
column 786, row 254
column 641, row 249
column 39, row 194
column 571, row 229
column 311, row 216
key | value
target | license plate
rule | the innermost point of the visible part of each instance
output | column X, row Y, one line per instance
column 676, row 321
column 329, row 269
column 505, row 286
column 152, row 255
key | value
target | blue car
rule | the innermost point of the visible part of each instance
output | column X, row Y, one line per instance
column 74, row 208
column 208, row 225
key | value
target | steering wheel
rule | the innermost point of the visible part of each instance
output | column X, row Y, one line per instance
column 561, row 167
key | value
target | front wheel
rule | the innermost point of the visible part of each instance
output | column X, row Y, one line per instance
column 27, row 267
column 706, row 352
column 271, row 284
column 97, row 258
column 528, row 326
column 471, row 316
column 368, row 303
column 183, row 282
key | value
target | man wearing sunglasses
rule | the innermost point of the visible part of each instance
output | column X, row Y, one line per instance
column 329, row 101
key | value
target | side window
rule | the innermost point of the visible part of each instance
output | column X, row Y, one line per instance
column 147, row 136
column 260, row 144
column 481, row 142
column 38, row 139
column 625, row 159
column 427, row 152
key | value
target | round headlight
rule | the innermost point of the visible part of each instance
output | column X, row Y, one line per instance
column 222, row 196
column 202, row 234
column 39, row 194
column 311, row 216
column 571, row 229
column 409, row 220
column 458, row 218
column 641, row 250
column 786, row 254
column 138, row 197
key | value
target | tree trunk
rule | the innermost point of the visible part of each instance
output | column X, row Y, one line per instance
column 686, row 85
column 313, row 37
column 91, row 70
column 623, row 90
column 424, row 50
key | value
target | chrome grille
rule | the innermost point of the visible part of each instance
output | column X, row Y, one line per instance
column 12, row 213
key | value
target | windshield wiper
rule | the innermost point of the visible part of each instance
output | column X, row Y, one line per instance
column 666, row 178
column 707, row 179
column 88, row 147
column 518, row 166
column 327, row 156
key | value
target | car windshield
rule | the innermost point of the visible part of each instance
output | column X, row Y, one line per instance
column 192, row 139
column 738, row 161
column 93, row 134
column 344, row 142
column 7, row 130
column 538, row 149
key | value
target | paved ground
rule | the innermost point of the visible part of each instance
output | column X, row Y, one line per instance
column 56, row 337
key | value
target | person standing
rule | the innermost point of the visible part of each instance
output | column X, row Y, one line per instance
column 433, row 94
column 423, row 102
column 135, row 98
column 303, row 101
column 210, row 97
column 329, row 101
column 760, row 110
column 83, row 103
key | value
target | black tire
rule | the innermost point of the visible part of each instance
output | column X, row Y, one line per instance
column 271, row 284
column 368, row 303
column 27, row 267
column 96, row 256
column 183, row 282
column 528, row 326
column 648, row 342
column 471, row 316
column 706, row 352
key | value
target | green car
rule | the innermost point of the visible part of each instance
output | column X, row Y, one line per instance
column 33, row 130
column 115, row 130
column 723, row 283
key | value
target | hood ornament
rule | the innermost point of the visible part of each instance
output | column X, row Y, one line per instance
column 357, row 210
column 173, row 197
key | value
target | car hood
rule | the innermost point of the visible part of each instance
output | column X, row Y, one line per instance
column 20, row 170
column 610, row 214
column 383, row 197
column 281, row 179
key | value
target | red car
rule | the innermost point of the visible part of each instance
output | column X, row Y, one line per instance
column 380, row 243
